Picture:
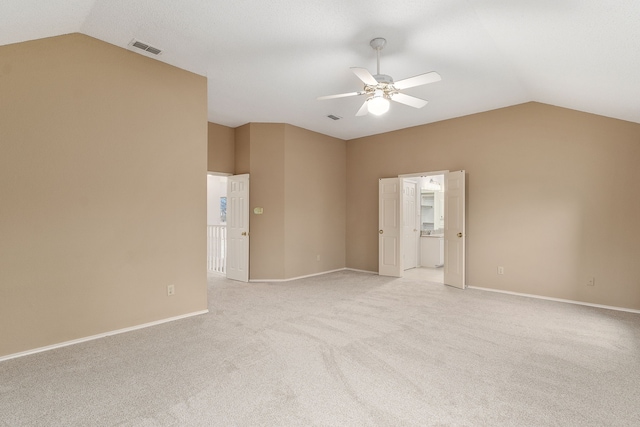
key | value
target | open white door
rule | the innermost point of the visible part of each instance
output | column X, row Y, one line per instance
column 238, row 227
column 390, row 233
column 410, row 227
column 454, row 229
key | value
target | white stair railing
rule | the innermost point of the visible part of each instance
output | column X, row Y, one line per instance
column 217, row 248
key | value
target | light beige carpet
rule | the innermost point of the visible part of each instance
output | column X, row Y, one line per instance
column 343, row 349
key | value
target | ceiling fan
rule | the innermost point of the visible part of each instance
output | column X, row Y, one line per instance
column 381, row 88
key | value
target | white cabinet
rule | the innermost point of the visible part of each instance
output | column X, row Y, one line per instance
column 432, row 210
column 431, row 251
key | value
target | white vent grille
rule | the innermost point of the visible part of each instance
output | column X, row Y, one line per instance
column 144, row 46
column 332, row 117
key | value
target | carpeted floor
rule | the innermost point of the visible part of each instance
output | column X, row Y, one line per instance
column 343, row 349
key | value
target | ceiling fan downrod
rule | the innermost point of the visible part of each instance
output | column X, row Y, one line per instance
column 378, row 44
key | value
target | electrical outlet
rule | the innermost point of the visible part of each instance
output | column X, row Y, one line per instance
column 317, row 257
column 591, row 281
column 171, row 290
column 500, row 270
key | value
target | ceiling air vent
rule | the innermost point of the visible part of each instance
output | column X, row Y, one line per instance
column 332, row 117
column 143, row 46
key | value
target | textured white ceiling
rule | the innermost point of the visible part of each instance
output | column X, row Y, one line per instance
column 269, row 61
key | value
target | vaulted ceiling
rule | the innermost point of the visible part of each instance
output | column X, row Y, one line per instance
column 268, row 61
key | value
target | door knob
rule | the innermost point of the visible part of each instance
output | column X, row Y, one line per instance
column 459, row 234
column 244, row 233
column 380, row 231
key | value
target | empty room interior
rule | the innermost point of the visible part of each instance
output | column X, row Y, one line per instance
column 499, row 285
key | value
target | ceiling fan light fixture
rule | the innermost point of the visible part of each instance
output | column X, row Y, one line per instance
column 378, row 104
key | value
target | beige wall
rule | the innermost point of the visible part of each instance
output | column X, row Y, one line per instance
column 298, row 178
column 242, row 148
column 315, row 202
column 220, row 149
column 104, row 154
column 266, row 190
column 102, row 190
column 551, row 196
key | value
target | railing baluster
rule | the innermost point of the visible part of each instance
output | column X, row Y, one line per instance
column 217, row 248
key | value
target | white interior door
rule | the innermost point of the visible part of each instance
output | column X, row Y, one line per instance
column 409, row 224
column 454, row 229
column 389, row 232
column 238, row 227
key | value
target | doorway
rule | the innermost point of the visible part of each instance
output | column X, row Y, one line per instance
column 216, row 224
column 442, row 226
column 228, row 226
column 429, row 216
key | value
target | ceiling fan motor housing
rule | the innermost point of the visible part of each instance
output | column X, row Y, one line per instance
column 383, row 79
column 385, row 85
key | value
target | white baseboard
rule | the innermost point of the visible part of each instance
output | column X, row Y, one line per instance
column 361, row 271
column 314, row 274
column 98, row 336
column 296, row 278
column 568, row 301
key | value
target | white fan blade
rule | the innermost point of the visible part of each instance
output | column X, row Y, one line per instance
column 418, row 80
column 363, row 110
column 411, row 101
column 341, row 95
column 365, row 76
